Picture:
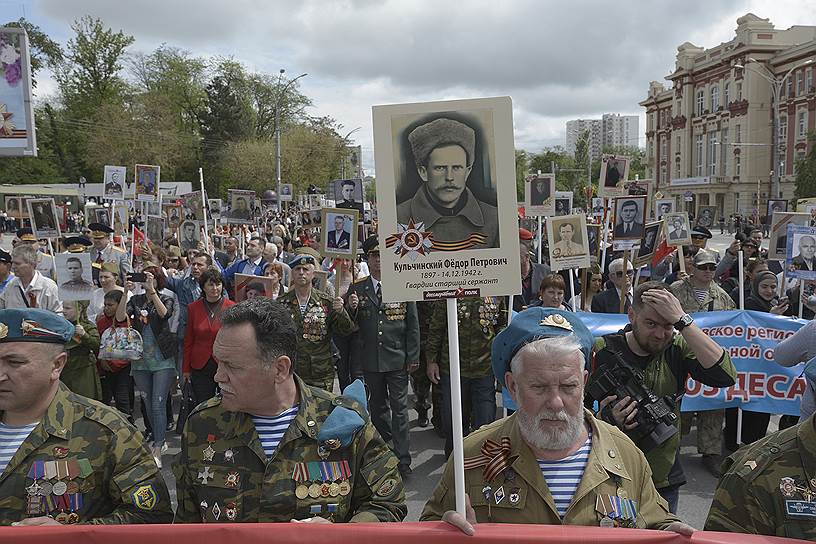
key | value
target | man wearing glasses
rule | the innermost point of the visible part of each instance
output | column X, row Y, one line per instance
column 697, row 292
column 608, row 301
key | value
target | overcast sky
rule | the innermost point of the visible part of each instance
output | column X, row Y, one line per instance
column 558, row 60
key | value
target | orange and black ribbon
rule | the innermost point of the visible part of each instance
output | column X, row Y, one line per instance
column 495, row 458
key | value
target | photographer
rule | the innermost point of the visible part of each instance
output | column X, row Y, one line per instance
column 665, row 359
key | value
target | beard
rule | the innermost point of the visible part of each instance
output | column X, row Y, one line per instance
column 648, row 345
column 550, row 439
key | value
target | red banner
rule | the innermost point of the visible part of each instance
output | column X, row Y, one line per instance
column 366, row 533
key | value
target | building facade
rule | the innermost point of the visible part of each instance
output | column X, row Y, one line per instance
column 611, row 129
column 577, row 127
column 710, row 131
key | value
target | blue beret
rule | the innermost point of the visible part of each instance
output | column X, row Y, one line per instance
column 534, row 324
column 34, row 325
column 342, row 423
column 305, row 255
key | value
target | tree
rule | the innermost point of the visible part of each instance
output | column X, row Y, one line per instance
column 522, row 170
column 806, row 171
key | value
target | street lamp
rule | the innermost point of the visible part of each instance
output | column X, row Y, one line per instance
column 278, row 131
column 776, row 89
column 343, row 155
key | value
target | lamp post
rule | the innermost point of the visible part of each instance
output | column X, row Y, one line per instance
column 343, row 155
column 278, row 130
column 776, row 90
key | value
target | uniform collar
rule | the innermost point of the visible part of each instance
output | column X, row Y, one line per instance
column 806, row 436
column 422, row 207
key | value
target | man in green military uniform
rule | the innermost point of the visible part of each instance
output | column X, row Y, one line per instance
column 386, row 348
column 769, row 487
column 479, row 321
column 514, row 467
column 666, row 360
column 317, row 317
column 103, row 251
column 65, row 458
column 272, row 448
column 426, row 393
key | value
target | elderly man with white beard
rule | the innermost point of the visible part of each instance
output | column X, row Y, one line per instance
column 551, row 462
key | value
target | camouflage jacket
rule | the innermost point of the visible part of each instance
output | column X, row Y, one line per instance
column 520, row 494
column 716, row 299
column 480, row 319
column 224, row 475
column 315, row 328
column 92, row 452
column 769, row 487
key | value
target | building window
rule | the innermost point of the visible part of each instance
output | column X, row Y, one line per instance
column 698, row 155
column 700, row 102
column 781, row 166
column 802, row 124
column 739, row 90
column 800, row 82
column 737, row 165
column 712, row 153
column 783, row 129
column 715, row 98
column 809, row 80
column 663, row 147
column 790, row 87
column 726, row 94
column 737, row 134
column 676, row 169
column 663, row 173
column 724, row 149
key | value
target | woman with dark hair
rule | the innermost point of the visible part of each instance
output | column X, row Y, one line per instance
column 275, row 271
column 551, row 292
column 583, row 301
column 203, row 323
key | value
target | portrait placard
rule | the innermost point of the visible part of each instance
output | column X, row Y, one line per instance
column 778, row 244
column 287, row 192
column 102, row 214
column 597, row 206
column 776, row 205
column 241, row 207
column 113, row 182
column 17, row 132
column 146, row 179
column 189, row 235
column 630, row 217
column 215, row 205
column 651, row 239
column 193, row 206
column 594, row 238
column 152, row 209
column 155, row 229
column 706, row 217
column 662, row 207
column 678, row 231
column 614, row 174
column 74, row 276
column 347, row 194
column 174, row 214
column 539, row 195
column 800, row 257
column 321, row 280
column 16, row 207
column 449, row 155
column 247, row 287
column 338, row 238
column 44, row 219
column 568, row 243
column 121, row 216
column 563, row 202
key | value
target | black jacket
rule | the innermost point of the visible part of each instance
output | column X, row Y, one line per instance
column 160, row 326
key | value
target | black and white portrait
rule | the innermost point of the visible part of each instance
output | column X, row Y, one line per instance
column 706, row 217
column 648, row 245
column 155, row 229
column 189, row 236
column 801, row 252
column 678, row 231
column 563, row 202
column 662, row 207
column 614, row 173
column 193, row 206
column 630, row 216
column 114, row 182
column 567, row 242
column 74, row 276
column 102, row 215
column 348, row 194
column 241, row 207
column 778, row 244
column 215, row 205
column 44, row 220
column 593, row 237
column 776, row 205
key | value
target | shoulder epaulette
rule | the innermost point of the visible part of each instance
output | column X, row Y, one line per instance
column 361, row 280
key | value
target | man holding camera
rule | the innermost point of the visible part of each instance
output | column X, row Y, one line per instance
column 665, row 360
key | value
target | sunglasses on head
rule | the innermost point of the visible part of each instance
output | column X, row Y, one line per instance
column 620, row 273
column 707, row 267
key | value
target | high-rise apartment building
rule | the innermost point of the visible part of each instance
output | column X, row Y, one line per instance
column 611, row 130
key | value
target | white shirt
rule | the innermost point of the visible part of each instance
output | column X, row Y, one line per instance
column 44, row 289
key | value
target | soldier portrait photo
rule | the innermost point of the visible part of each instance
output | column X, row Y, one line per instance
column 539, row 193
column 102, row 215
column 114, row 182
column 678, row 231
column 241, row 207
column 630, row 216
column 706, row 217
column 568, row 244
column 44, row 220
column 286, row 192
column 193, row 206
column 214, row 204
column 614, row 173
column 662, row 207
column 648, row 245
column 775, row 205
column 155, row 229
column 348, row 194
column 189, row 236
column 173, row 214
column 563, row 202
column 147, row 182
column 593, row 236
column 15, row 207
column 74, row 276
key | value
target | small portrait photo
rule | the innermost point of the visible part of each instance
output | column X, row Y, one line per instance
column 778, row 244
column 247, row 287
column 630, row 216
column 151, row 209
column 339, row 234
column 147, row 182
column 102, row 215
column 663, row 206
column 641, row 187
column 113, row 183
column 568, row 244
column 593, row 238
column 74, row 276
column 320, row 281
column 218, row 242
column 776, row 206
column 677, row 229
column 306, row 218
column 800, row 258
column 155, row 229
column 614, row 173
column 706, row 217
column 241, row 207
column 348, row 194
column 121, row 215
column 810, row 209
column 539, row 195
column 14, row 207
column 287, row 192
column 189, row 235
column 215, row 204
column 563, row 202
column 651, row 238
column 597, row 206
column 44, row 219
column 316, row 216
column 192, row 206
column 173, row 213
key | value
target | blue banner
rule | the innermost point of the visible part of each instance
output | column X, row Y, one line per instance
column 749, row 338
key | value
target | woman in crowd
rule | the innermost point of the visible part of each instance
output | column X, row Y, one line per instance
column 114, row 374
column 150, row 314
column 79, row 374
column 275, row 271
column 551, row 292
column 595, row 281
column 755, row 266
column 108, row 281
column 203, row 323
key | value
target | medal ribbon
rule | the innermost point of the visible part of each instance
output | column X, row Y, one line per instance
column 495, row 458
column 85, row 469
column 314, row 471
column 62, row 469
column 73, row 469
column 37, row 470
column 50, row 502
column 76, row 501
column 346, row 469
column 299, row 474
column 324, row 471
column 50, row 470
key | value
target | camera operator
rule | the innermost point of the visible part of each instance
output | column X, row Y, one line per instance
column 665, row 360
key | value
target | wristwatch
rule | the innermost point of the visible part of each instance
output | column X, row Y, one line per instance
column 684, row 322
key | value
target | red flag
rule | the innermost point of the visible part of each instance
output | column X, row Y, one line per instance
column 138, row 239
column 662, row 251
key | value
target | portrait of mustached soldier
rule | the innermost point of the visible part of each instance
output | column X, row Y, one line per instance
column 444, row 153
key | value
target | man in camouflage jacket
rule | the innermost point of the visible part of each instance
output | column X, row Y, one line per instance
column 82, row 462
column 329, row 465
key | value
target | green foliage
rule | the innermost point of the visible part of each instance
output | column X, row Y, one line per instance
column 806, row 171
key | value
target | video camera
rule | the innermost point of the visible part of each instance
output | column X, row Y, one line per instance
column 655, row 415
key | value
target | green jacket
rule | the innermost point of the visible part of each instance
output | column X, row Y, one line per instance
column 110, row 471
column 666, row 374
column 769, row 487
column 388, row 336
column 80, row 374
column 314, row 355
column 480, row 319
column 616, row 467
column 263, row 489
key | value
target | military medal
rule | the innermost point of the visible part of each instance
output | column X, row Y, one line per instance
column 300, row 475
column 60, row 488
column 60, row 452
column 514, row 496
column 324, row 490
column 509, row 474
column 231, row 511
column 209, row 452
column 314, row 490
column 34, row 490
column 73, row 517
column 203, row 507
column 73, row 487
column 229, row 456
column 232, row 479
column 787, row 486
column 345, row 488
column 205, row 475
column 216, row 511
column 62, row 517
column 499, row 495
column 47, row 488
column 487, row 491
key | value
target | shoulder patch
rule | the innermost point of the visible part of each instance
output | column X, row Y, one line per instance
column 145, row 497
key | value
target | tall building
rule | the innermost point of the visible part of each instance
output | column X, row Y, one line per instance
column 610, row 130
column 710, row 132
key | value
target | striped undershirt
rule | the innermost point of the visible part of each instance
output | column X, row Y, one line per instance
column 564, row 475
column 700, row 294
column 271, row 429
column 10, row 440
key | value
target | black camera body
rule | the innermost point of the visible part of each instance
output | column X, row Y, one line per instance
column 655, row 415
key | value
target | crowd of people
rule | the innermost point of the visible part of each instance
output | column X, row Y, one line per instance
column 259, row 382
